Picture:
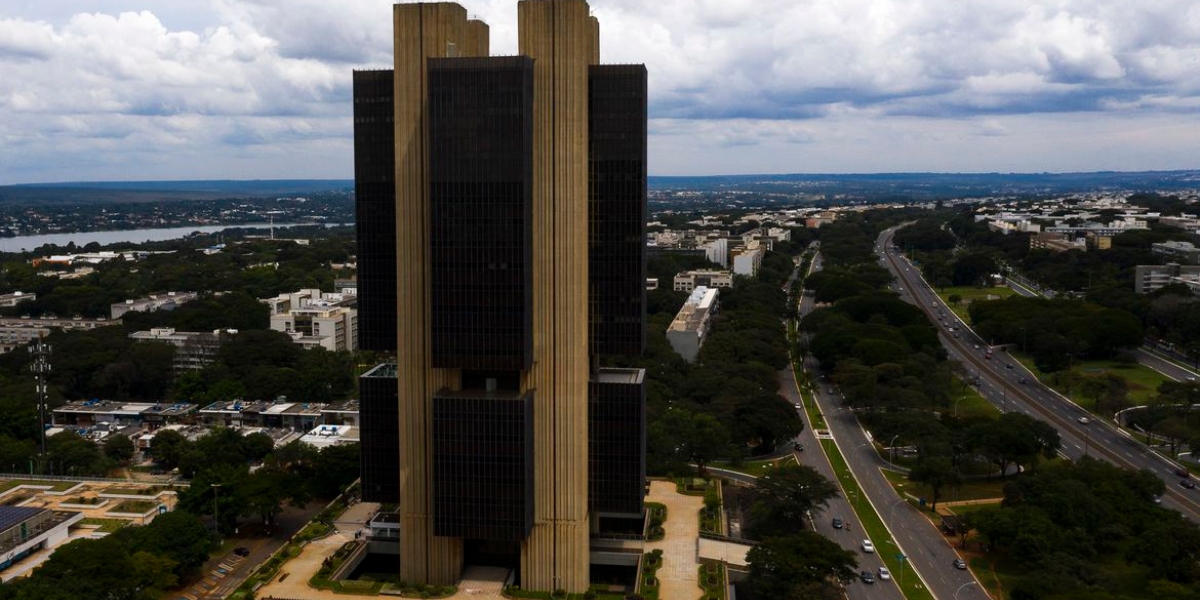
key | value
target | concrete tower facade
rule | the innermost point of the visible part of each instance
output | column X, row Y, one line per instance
column 561, row 37
column 513, row 177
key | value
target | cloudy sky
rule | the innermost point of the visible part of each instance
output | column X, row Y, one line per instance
column 248, row 89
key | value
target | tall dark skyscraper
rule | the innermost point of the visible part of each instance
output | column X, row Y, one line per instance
column 501, row 215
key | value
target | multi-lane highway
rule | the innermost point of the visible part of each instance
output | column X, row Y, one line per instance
column 1005, row 383
column 929, row 555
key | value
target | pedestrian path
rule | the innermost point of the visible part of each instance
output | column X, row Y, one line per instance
column 678, row 577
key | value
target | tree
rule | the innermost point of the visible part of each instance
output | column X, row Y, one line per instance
column 781, row 499
column 168, row 446
column 705, row 440
column 936, row 472
column 265, row 491
column 954, row 299
column 69, row 453
column 119, row 448
column 178, row 535
column 782, row 566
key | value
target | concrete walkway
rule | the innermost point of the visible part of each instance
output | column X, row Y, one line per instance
column 292, row 580
column 678, row 577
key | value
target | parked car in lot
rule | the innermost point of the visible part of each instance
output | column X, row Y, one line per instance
column 868, row 547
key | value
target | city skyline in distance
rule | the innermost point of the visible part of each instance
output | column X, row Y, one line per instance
column 241, row 89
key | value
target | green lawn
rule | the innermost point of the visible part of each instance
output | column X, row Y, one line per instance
column 1143, row 381
column 57, row 486
column 971, row 404
column 757, row 468
column 971, row 294
column 133, row 506
column 106, row 525
column 972, row 489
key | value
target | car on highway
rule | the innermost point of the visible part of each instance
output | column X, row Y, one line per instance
column 884, row 574
column 1022, row 381
column 1084, row 420
column 869, row 548
column 837, row 523
column 1188, row 483
column 867, row 577
column 242, row 551
column 1182, row 472
column 960, row 564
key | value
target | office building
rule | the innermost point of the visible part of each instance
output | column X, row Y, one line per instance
column 690, row 327
column 1184, row 253
column 167, row 301
column 316, row 319
column 1151, row 278
column 687, row 281
column 501, row 227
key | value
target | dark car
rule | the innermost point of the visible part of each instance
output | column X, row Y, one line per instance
column 960, row 564
column 837, row 523
column 241, row 551
column 1182, row 472
column 798, row 447
column 867, row 577
column 1188, row 483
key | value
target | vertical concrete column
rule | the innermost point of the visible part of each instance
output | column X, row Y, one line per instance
column 561, row 37
column 420, row 31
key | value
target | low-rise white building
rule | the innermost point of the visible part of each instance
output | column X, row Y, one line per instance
column 689, row 328
column 167, row 301
column 746, row 260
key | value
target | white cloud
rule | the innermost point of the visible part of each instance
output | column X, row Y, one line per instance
column 93, row 88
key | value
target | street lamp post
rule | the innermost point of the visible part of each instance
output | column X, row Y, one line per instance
column 892, row 446
column 216, row 487
column 41, row 368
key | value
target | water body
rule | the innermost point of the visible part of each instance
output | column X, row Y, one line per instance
column 137, row 236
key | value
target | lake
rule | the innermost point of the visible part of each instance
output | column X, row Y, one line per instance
column 29, row 242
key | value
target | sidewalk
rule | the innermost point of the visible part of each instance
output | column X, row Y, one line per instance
column 292, row 580
column 678, row 578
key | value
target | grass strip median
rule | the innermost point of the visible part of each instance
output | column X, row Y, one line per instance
column 912, row 588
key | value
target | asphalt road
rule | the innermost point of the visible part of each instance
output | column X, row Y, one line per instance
column 1002, row 386
column 929, row 554
column 851, row 535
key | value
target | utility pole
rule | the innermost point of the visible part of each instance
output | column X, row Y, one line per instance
column 41, row 368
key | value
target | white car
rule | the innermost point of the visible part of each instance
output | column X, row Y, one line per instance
column 868, row 547
column 1084, row 420
column 884, row 574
